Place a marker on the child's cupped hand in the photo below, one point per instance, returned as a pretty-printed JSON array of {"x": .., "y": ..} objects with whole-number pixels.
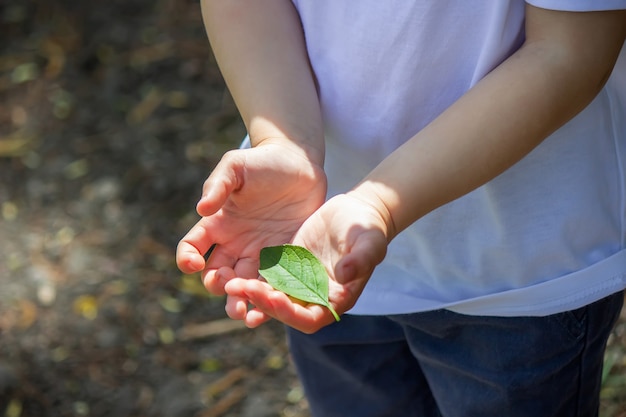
[
  {"x": 254, "y": 198},
  {"x": 349, "y": 237}
]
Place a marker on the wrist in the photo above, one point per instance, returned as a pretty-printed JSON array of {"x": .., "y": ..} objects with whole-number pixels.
[
  {"x": 380, "y": 198},
  {"x": 305, "y": 139},
  {"x": 312, "y": 151}
]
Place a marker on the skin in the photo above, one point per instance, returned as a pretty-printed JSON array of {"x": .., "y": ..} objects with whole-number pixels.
[{"x": 261, "y": 196}]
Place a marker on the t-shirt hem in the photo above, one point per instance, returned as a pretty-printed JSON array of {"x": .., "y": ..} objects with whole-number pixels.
[{"x": 565, "y": 293}]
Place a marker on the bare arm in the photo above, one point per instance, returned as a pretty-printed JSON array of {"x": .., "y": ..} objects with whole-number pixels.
[
  {"x": 259, "y": 46},
  {"x": 561, "y": 67},
  {"x": 260, "y": 196}
]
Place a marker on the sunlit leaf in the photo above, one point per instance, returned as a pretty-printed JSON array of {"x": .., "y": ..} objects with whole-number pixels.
[{"x": 295, "y": 271}]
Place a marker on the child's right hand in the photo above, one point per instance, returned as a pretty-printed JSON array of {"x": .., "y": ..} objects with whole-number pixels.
[{"x": 253, "y": 198}]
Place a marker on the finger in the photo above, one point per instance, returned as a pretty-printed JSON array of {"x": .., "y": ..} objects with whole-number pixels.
[
  {"x": 219, "y": 258},
  {"x": 222, "y": 182},
  {"x": 188, "y": 258},
  {"x": 192, "y": 247},
  {"x": 236, "y": 307},
  {"x": 276, "y": 304},
  {"x": 247, "y": 268},
  {"x": 308, "y": 318},
  {"x": 367, "y": 251},
  {"x": 244, "y": 267},
  {"x": 255, "y": 318},
  {"x": 215, "y": 279}
]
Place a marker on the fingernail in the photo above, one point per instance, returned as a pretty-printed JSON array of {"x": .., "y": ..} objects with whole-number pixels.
[
  {"x": 202, "y": 200},
  {"x": 206, "y": 196}
]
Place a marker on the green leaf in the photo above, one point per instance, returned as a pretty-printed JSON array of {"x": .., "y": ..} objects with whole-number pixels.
[{"x": 296, "y": 272}]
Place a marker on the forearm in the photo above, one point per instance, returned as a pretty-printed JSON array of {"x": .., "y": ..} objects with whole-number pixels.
[
  {"x": 538, "y": 89},
  {"x": 260, "y": 49}
]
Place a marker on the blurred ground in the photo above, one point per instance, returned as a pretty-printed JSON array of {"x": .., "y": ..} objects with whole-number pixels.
[{"x": 112, "y": 113}]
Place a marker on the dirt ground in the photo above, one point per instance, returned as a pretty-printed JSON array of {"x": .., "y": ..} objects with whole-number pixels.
[{"x": 112, "y": 114}]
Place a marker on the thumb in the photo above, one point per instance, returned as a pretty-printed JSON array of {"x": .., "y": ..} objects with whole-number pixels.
[
  {"x": 223, "y": 181},
  {"x": 368, "y": 250}
]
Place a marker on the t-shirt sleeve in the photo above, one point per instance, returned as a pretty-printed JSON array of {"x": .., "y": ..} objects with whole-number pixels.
[{"x": 579, "y": 5}]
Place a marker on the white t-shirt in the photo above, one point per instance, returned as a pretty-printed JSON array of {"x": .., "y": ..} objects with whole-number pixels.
[{"x": 546, "y": 236}]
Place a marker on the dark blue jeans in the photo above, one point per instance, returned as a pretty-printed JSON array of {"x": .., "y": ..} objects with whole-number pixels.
[{"x": 442, "y": 363}]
